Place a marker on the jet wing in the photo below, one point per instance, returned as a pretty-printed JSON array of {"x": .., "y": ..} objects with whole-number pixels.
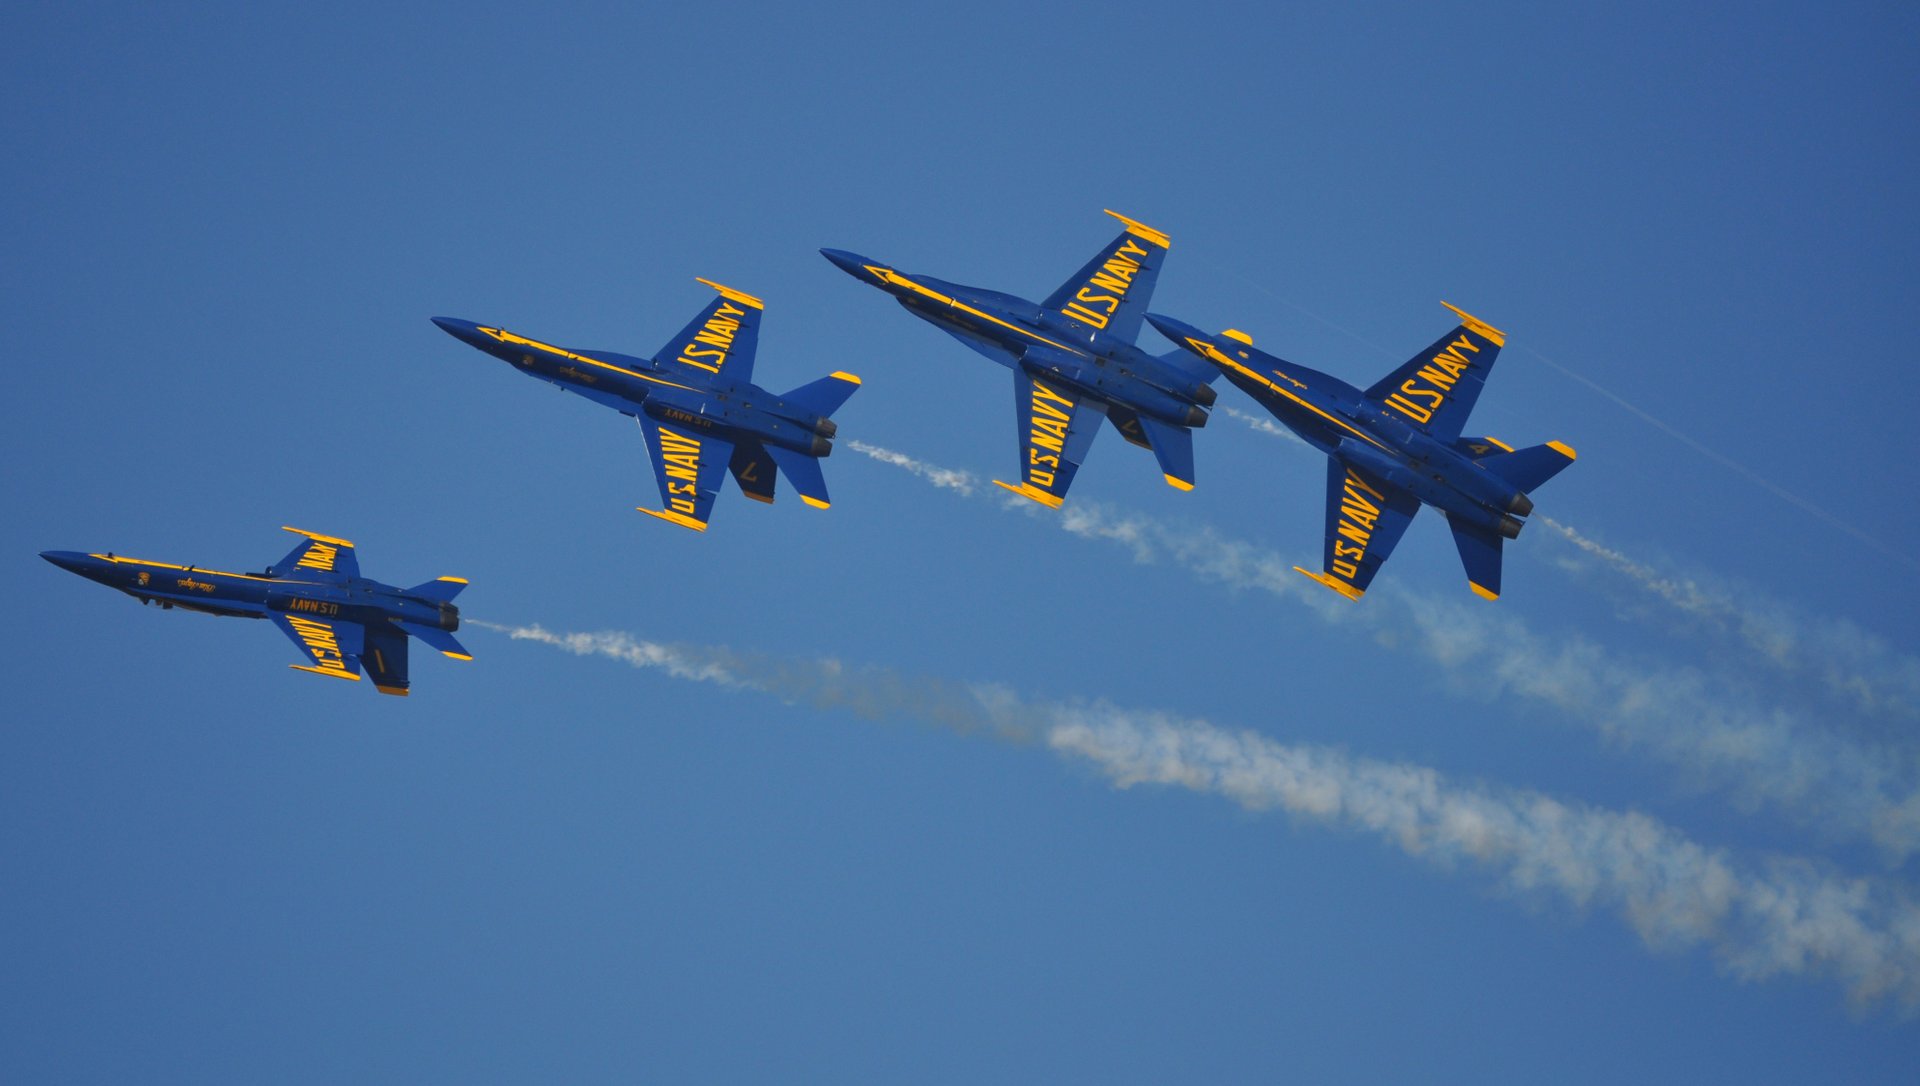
[
  {"x": 983, "y": 347},
  {"x": 1057, "y": 427},
  {"x": 1110, "y": 293},
  {"x": 318, "y": 558},
  {"x": 334, "y": 646},
  {"x": 1436, "y": 389},
  {"x": 386, "y": 659},
  {"x": 1366, "y": 517},
  {"x": 718, "y": 343},
  {"x": 689, "y": 467}
]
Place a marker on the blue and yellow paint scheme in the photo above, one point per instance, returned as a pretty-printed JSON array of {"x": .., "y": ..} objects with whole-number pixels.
[
  {"x": 1395, "y": 446},
  {"x": 342, "y": 621},
  {"x": 1073, "y": 359},
  {"x": 698, "y": 408}
]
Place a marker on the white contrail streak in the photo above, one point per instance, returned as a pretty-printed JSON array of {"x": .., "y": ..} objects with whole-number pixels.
[
  {"x": 1754, "y": 477},
  {"x": 1715, "y": 726},
  {"x": 1854, "y": 665},
  {"x": 1761, "y": 919}
]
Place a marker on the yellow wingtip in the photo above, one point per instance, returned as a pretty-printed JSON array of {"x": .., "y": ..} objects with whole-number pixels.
[
  {"x": 396, "y": 691},
  {"x": 1482, "y": 591},
  {"x": 1177, "y": 484},
  {"x": 815, "y": 502},
  {"x": 766, "y": 498},
  {"x": 1332, "y": 582},
  {"x": 1563, "y": 449},
  {"x": 681, "y": 519},
  {"x": 1142, "y": 230},
  {"x": 455, "y": 655},
  {"x": 733, "y": 295},
  {"x": 1478, "y": 326},
  {"x": 452, "y": 580},
  {"x": 1027, "y": 490},
  {"x": 336, "y": 673},
  {"x": 317, "y": 537}
]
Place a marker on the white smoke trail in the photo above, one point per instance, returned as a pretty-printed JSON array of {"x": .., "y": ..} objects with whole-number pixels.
[
  {"x": 1761, "y": 919},
  {"x": 1718, "y": 728},
  {"x": 944, "y": 478},
  {"x": 1853, "y": 665},
  {"x": 1260, "y": 424}
]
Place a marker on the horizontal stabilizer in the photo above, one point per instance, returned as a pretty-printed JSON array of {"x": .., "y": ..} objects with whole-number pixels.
[
  {"x": 437, "y": 639},
  {"x": 804, "y": 473},
  {"x": 1530, "y": 467},
  {"x": 1173, "y": 447},
  {"x": 1480, "y": 553},
  {"x": 440, "y": 589},
  {"x": 825, "y": 396}
]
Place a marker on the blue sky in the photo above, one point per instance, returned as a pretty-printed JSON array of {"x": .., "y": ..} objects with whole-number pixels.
[{"x": 227, "y": 229}]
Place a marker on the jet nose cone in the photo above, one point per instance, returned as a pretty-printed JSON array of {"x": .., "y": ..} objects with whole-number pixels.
[
  {"x": 1177, "y": 331},
  {"x": 464, "y": 331},
  {"x": 852, "y": 263},
  {"x": 71, "y": 561}
]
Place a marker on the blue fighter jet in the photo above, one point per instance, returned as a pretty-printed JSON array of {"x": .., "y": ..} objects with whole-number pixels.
[
  {"x": 1073, "y": 359},
  {"x": 1395, "y": 446},
  {"x": 341, "y": 620},
  {"x": 696, "y": 405}
]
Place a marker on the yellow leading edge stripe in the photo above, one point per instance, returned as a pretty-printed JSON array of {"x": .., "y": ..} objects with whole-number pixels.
[
  {"x": 1142, "y": 230},
  {"x": 317, "y": 537},
  {"x": 1332, "y": 582},
  {"x": 1028, "y": 490},
  {"x": 681, "y": 519},
  {"x": 733, "y": 295}
]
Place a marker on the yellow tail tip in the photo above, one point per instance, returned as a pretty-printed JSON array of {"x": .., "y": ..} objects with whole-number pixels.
[
  {"x": 317, "y": 537},
  {"x": 681, "y": 519},
  {"x": 1332, "y": 582},
  {"x": 733, "y": 295},
  {"x": 1482, "y": 591},
  {"x": 396, "y": 691},
  {"x": 1028, "y": 490},
  {"x": 1142, "y": 230},
  {"x": 849, "y": 378},
  {"x": 1563, "y": 449},
  {"x": 815, "y": 502},
  {"x": 1478, "y": 326},
  {"x": 1177, "y": 484}
]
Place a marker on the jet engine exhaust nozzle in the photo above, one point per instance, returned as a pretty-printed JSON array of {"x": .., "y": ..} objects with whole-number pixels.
[
  {"x": 1510, "y": 527},
  {"x": 1520, "y": 506}
]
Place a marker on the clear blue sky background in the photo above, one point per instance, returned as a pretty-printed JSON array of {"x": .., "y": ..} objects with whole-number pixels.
[{"x": 225, "y": 230}]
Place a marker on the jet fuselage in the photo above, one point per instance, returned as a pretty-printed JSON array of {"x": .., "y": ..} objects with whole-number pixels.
[
  {"x": 256, "y": 595},
  {"x": 1336, "y": 418},
  {"x": 1015, "y": 331},
  {"x": 734, "y": 410}
]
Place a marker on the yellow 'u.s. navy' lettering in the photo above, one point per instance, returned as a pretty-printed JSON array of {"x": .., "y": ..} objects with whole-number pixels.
[
  {"x": 1093, "y": 307},
  {"x": 1420, "y": 397},
  {"x": 680, "y": 460},
  {"x": 1046, "y": 433},
  {"x": 1358, "y": 518},
  {"x": 321, "y": 643},
  {"x": 318, "y": 556},
  {"x": 316, "y": 607},
  {"x": 714, "y": 339}
]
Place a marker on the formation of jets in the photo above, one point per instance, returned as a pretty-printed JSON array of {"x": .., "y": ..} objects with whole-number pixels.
[{"x": 1391, "y": 448}]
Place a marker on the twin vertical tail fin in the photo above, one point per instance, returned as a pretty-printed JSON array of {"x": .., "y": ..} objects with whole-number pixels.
[
  {"x": 440, "y": 589},
  {"x": 825, "y": 396},
  {"x": 1530, "y": 467}
]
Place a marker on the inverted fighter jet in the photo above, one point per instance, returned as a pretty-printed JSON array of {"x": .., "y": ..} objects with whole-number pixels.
[
  {"x": 1395, "y": 446},
  {"x": 696, "y": 405},
  {"x": 1073, "y": 359},
  {"x": 341, "y": 620}
]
